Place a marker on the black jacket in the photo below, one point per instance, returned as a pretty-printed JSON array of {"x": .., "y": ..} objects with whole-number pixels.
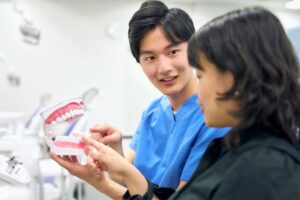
[{"x": 263, "y": 167}]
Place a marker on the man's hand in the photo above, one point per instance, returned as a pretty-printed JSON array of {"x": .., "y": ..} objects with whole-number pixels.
[{"x": 108, "y": 135}]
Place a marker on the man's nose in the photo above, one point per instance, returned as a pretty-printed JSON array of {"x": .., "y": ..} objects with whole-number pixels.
[{"x": 164, "y": 65}]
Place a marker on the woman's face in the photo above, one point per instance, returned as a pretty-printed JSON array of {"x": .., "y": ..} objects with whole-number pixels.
[{"x": 211, "y": 82}]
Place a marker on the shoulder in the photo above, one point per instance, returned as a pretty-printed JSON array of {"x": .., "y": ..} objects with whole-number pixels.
[
  {"x": 262, "y": 172},
  {"x": 156, "y": 105},
  {"x": 157, "y": 102},
  {"x": 264, "y": 150},
  {"x": 269, "y": 151},
  {"x": 265, "y": 159}
]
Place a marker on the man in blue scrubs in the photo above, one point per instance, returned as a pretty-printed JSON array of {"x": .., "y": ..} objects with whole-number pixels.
[{"x": 172, "y": 136}]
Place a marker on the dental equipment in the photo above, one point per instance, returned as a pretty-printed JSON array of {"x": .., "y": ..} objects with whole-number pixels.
[
  {"x": 89, "y": 95},
  {"x": 12, "y": 77},
  {"x": 56, "y": 119},
  {"x": 31, "y": 34},
  {"x": 80, "y": 124},
  {"x": 34, "y": 123},
  {"x": 13, "y": 171}
]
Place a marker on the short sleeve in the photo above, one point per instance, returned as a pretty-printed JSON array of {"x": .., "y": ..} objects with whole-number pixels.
[
  {"x": 135, "y": 138},
  {"x": 204, "y": 138},
  {"x": 133, "y": 142}
]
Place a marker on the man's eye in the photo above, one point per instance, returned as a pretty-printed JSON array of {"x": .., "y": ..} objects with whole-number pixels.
[
  {"x": 173, "y": 52},
  {"x": 149, "y": 58},
  {"x": 198, "y": 77}
]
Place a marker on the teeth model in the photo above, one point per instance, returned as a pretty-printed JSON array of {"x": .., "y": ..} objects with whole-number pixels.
[
  {"x": 68, "y": 145},
  {"x": 56, "y": 119},
  {"x": 65, "y": 111}
]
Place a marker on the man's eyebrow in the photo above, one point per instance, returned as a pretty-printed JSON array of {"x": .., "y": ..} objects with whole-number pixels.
[
  {"x": 146, "y": 52},
  {"x": 166, "y": 47}
]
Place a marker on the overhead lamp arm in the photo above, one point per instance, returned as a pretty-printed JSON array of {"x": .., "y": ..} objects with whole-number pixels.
[
  {"x": 12, "y": 77},
  {"x": 30, "y": 33}
]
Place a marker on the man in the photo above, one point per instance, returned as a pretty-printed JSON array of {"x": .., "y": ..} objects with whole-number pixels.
[{"x": 172, "y": 136}]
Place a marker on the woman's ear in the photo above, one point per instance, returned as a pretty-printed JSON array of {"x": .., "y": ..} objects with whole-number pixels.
[{"x": 227, "y": 81}]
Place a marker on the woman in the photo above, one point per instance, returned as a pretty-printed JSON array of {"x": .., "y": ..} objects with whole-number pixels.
[{"x": 248, "y": 79}]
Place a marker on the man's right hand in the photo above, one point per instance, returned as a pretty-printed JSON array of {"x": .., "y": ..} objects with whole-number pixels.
[{"x": 108, "y": 135}]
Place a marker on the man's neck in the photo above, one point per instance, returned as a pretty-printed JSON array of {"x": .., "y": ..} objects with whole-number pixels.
[{"x": 178, "y": 99}]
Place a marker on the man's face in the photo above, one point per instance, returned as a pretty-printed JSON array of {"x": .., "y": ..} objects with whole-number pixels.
[{"x": 164, "y": 63}]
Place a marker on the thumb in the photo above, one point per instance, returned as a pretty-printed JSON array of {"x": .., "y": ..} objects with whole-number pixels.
[{"x": 100, "y": 157}]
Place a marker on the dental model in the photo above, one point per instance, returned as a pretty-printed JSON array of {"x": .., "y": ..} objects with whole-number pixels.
[
  {"x": 56, "y": 119},
  {"x": 66, "y": 111},
  {"x": 68, "y": 145}
]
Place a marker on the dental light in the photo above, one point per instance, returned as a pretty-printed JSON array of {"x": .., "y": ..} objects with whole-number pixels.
[
  {"x": 30, "y": 33},
  {"x": 12, "y": 78}
]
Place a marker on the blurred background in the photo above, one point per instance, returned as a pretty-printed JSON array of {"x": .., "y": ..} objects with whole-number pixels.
[{"x": 51, "y": 50}]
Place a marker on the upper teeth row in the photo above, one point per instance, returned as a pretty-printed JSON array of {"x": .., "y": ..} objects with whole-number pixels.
[
  {"x": 68, "y": 115},
  {"x": 168, "y": 79}
]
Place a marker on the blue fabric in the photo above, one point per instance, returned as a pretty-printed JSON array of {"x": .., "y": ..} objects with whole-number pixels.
[{"x": 168, "y": 148}]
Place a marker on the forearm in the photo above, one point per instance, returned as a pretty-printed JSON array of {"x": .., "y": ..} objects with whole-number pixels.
[
  {"x": 109, "y": 187},
  {"x": 135, "y": 182},
  {"x": 117, "y": 179},
  {"x": 118, "y": 148}
]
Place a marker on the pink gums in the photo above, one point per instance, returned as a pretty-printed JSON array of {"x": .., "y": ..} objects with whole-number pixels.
[
  {"x": 59, "y": 112},
  {"x": 67, "y": 144}
]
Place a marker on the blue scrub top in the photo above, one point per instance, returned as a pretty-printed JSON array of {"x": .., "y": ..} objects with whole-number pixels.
[{"x": 169, "y": 147}]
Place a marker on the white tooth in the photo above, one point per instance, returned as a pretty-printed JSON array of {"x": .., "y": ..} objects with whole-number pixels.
[
  {"x": 53, "y": 123},
  {"x": 59, "y": 119},
  {"x": 76, "y": 112},
  {"x": 81, "y": 111},
  {"x": 64, "y": 117},
  {"x": 68, "y": 114},
  {"x": 72, "y": 113}
]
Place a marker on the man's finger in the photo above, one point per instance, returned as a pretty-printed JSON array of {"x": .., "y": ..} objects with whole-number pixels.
[
  {"x": 92, "y": 142},
  {"x": 98, "y": 128},
  {"x": 109, "y": 139}
]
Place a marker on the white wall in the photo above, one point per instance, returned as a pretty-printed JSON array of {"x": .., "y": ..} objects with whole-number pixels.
[{"x": 75, "y": 53}]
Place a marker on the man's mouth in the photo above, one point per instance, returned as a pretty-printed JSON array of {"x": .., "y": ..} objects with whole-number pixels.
[{"x": 168, "y": 79}]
